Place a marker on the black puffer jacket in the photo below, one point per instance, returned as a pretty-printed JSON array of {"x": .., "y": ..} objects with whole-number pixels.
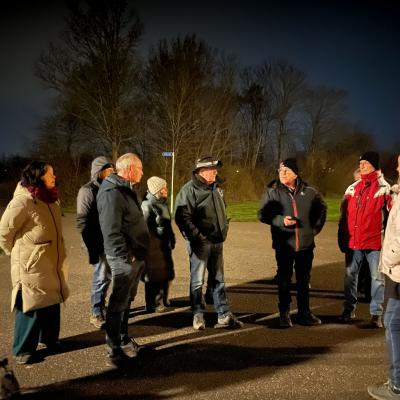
[
  {"x": 124, "y": 229},
  {"x": 159, "y": 264},
  {"x": 200, "y": 212},
  {"x": 305, "y": 204}
]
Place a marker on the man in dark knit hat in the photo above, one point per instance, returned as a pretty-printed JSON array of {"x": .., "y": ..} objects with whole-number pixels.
[
  {"x": 365, "y": 207},
  {"x": 296, "y": 213}
]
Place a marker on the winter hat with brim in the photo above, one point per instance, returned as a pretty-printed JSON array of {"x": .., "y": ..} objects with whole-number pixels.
[
  {"x": 290, "y": 163},
  {"x": 372, "y": 157},
  {"x": 207, "y": 162},
  {"x": 155, "y": 184},
  {"x": 99, "y": 164}
]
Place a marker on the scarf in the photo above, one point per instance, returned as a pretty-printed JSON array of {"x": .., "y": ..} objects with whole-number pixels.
[{"x": 43, "y": 194}]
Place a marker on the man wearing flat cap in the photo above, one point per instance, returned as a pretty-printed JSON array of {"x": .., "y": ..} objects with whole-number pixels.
[
  {"x": 296, "y": 213},
  {"x": 364, "y": 211},
  {"x": 201, "y": 217}
]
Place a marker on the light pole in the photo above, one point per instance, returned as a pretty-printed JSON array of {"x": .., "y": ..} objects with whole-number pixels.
[{"x": 171, "y": 154}]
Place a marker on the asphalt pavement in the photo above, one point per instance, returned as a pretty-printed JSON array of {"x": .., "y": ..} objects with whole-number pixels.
[{"x": 259, "y": 361}]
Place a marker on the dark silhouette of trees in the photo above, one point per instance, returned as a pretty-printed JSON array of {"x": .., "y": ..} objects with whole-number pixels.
[{"x": 94, "y": 71}]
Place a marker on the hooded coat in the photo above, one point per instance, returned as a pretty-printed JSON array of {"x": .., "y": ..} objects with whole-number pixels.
[
  {"x": 87, "y": 215},
  {"x": 365, "y": 208},
  {"x": 159, "y": 266},
  {"x": 390, "y": 259},
  {"x": 30, "y": 231}
]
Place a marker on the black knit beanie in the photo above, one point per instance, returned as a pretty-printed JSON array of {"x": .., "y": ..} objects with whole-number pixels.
[
  {"x": 372, "y": 157},
  {"x": 292, "y": 164}
]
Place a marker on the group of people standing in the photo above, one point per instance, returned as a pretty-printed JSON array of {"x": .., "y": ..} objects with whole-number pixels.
[{"x": 129, "y": 240}]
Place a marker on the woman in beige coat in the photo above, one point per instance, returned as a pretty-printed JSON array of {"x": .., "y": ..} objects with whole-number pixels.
[
  {"x": 30, "y": 231},
  {"x": 390, "y": 266}
]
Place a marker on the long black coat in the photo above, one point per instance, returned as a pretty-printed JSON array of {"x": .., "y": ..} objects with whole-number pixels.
[{"x": 159, "y": 265}]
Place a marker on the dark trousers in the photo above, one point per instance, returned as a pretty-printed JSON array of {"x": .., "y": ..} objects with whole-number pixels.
[
  {"x": 32, "y": 327},
  {"x": 301, "y": 261},
  {"x": 155, "y": 294}
]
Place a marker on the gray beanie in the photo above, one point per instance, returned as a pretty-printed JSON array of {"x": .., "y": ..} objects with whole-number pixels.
[{"x": 155, "y": 184}]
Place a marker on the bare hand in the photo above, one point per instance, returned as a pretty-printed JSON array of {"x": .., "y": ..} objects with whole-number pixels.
[{"x": 289, "y": 221}]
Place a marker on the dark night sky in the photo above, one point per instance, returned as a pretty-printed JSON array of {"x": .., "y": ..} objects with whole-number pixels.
[{"x": 350, "y": 45}]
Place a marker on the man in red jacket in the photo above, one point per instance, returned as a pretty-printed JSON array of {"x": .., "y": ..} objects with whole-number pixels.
[{"x": 365, "y": 208}]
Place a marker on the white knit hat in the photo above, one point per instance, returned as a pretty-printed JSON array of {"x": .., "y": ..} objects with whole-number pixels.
[{"x": 155, "y": 184}]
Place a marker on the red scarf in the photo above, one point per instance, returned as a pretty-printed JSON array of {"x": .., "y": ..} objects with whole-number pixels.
[{"x": 43, "y": 194}]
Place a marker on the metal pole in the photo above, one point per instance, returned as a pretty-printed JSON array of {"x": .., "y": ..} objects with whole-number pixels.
[{"x": 172, "y": 182}]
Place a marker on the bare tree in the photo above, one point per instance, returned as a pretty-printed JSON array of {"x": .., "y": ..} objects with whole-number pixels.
[
  {"x": 94, "y": 68},
  {"x": 324, "y": 111},
  {"x": 192, "y": 103}
]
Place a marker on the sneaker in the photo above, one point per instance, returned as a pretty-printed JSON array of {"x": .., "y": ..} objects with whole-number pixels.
[
  {"x": 130, "y": 348},
  {"x": 25, "y": 358},
  {"x": 161, "y": 309},
  {"x": 97, "y": 321},
  {"x": 308, "y": 319},
  {"x": 284, "y": 320},
  {"x": 383, "y": 392},
  {"x": 376, "y": 321},
  {"x": 198, "y": 322},
  {"x": 228, "y": 320},
  {"x": 347, "y": 317}
]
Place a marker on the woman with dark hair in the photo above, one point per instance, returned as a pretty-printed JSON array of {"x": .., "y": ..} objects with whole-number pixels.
[{"x": 30, "y": 231}]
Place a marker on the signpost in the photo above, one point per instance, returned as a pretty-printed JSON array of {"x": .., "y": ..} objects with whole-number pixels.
[{"x": 171, "y": 154}]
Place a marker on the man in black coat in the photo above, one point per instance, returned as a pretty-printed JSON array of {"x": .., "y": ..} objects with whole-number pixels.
[
  {"x": 296, "y": 213},
  {"x": 89, "y": 226},
  {"x": 201, "y": 217},
  {"x": 125, "y": 243}
]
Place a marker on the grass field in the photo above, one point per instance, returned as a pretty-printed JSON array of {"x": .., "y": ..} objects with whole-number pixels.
[{"x": 247, "y": 211}]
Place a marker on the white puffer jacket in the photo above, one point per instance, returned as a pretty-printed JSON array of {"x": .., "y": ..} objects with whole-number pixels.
[
  {"x": 390, "y": 255},
  {"x": 30, "y": 230}
]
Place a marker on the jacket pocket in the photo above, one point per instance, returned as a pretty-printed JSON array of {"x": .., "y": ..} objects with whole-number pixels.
[{"x": 38, "y": 250}]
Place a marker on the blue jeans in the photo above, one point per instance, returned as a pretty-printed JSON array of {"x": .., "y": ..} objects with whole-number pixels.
[
  {"x": 125, "y": 279},
  {"x": 392, "y": 333},
  {"x": 354, "y": 260},
  {"x": 100, "y": 283},
  {"x": 208, "y": 256}
]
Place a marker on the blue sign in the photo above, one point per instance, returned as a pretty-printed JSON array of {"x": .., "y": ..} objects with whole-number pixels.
[{"x": 167, "y": 153}]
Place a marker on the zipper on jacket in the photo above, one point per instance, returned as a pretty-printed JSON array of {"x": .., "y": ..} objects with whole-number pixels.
[
  {"x": 296, "y": 229},
  {"x": 58, "y": 253}
]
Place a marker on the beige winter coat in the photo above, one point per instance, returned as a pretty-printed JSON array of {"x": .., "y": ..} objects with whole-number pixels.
[
  {"x": 390, "y": 256},
  {"x": 30, "y": 230}
]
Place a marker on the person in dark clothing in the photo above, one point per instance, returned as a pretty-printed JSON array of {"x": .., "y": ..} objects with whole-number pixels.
[
  {"x": 89, "y": 227},
  {"x": 201, "y": 217},
  {"x": 126, "y": 239},
  {"x": 390, "y": 267},
  {"x": 159, "y": 266},
  {"x": 296, "y": 213}
]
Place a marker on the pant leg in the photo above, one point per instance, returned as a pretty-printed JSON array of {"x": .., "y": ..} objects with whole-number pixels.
[
  {"x": 392, "y": 334},
  {"x": 137, "y": 268},
  {"x": 100, "y": 283},
  {"x": 354, "y": 259},
  {"x": 284, "y": 260},
  {"x": 49, "y": 322},
  {"x": 198, "y": 258},
  {"x": 26, "y": 329},
  {"x": 216, "y": 280},
  {"x": 123, "y": 276},
  {"x": 377, "y": 283},
  {"x": 302, "y": 266}
]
